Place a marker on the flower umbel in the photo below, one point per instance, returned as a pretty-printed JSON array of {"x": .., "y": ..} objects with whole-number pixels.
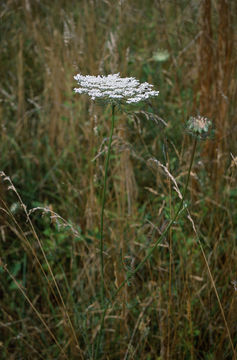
[
  {"x": 199, "y": 126},
  {"x": 161, "y": 55},
  {"x": 113, "y": 88}
]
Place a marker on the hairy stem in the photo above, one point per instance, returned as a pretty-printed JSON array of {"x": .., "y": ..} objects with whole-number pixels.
[{"x": 102, "y": 286}]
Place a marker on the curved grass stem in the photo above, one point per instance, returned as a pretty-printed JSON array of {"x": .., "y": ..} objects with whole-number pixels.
[{"x": 150, "y": 251}]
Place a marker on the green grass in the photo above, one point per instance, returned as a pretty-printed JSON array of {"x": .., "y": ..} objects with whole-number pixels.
[{"x": 169, "y": 308}]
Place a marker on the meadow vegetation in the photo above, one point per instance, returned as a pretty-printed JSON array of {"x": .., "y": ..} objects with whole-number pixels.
[{"x": 181, "y": 304}]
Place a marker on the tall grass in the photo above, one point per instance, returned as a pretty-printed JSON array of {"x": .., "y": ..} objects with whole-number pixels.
[{"x": 53, "y": 147}]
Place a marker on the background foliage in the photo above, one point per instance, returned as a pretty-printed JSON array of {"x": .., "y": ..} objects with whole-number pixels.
[{"x": 52, "y": 147}]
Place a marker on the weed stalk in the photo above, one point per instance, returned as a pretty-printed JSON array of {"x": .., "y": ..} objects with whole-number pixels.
[
  {"x": 102, "y": 219},
  {"x": 149, "y": 253}
]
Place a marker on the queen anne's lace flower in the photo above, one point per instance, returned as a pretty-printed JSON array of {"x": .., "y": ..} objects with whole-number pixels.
[
  {"x": 113, "y": 88},
  {"x": 199, "y": 126}
]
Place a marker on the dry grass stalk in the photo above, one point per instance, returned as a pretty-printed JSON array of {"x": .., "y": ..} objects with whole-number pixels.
[
  {"x": 216, "y": 71},
  {"x": 51, "y": 163}
]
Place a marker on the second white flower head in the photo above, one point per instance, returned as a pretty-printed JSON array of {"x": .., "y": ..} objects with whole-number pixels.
[{"x": 114, "y": 88}]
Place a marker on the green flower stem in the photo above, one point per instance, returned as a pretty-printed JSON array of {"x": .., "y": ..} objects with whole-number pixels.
[
  {"x": 102, "y": 286},
  {"x": 150, "y": 251},
  {"x": 102, "y": 211}
]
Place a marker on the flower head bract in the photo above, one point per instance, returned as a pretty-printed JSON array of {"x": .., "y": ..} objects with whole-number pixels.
[{"x": 114, "y": 88}]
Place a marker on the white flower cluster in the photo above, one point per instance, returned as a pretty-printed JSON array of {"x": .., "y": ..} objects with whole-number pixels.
[{"x": 114, "y": 88}]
